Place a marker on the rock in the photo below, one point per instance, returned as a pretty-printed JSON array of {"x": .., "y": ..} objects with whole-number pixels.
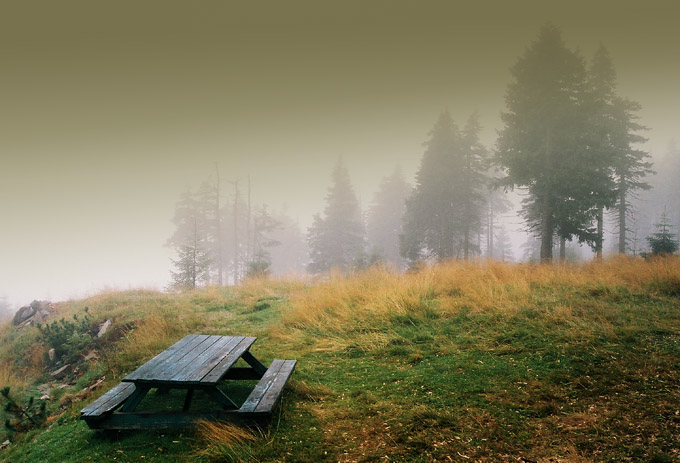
[
  {"x": 45, "y": 397},
  {"x": 35, "y": 311},
  {"x": 103, "y": 328},
  {"x": 51, "y": 354},
  {"x": 4, "y": 445},
  {"x": 23, "y": 314},
  {"x": 61, "y": 372},
  {"x": 44, "y": 388}
]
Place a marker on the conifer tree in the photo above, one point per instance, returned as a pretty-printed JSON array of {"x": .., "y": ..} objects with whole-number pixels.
[
  {"x": 472, "y": 188},
  {"x": 386, "y": 218},
  {"x": 546, "y": 143},
  {"x": 192, "y": 267},
  {"x": 663, "y": 241},
  {"x": 264, "y": 226},
  {"x": 430, "y": 225},
  {"x": 336, "y": 239},
  {"x": 617, "y": 133},
  {"x": 444, "y": 212}
]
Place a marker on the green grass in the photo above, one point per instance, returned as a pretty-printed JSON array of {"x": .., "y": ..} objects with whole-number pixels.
[{"x": 440, "y": 381}]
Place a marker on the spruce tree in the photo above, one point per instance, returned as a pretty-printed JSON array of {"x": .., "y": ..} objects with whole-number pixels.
[
  {"x": 444, "y": 212},
  {"x": 386, "y": 218},
  {"x": 472, "y": 188},
  {"x": 546, "y": 143},
  {"x": 663, "y": 241},
  {"x": 264, "y": 226},
  {"x": 192, "y": 267},
  {"x": 430, "y": 225},
  {"x": 617, "y": 133},
  {"x": 336, "y": 239}
]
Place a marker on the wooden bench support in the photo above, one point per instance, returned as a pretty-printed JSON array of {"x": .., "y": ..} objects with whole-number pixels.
[
  {"x": 268, "y": 391},
  {"x": 166, "y": 420},
  {"x": 135, "y": 398}
]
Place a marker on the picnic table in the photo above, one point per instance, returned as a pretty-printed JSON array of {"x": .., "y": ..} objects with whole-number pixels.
[{"x": 196, "y": 362}]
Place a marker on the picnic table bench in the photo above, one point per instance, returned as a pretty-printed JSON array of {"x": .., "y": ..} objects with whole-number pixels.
[{"x": 196, "y": 362}]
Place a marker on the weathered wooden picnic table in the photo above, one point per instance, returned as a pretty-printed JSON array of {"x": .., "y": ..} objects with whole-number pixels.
[{"x": 196, "y": 362}]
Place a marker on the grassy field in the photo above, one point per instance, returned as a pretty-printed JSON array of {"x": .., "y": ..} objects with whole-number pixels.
[{"x": 462, "y": 362}]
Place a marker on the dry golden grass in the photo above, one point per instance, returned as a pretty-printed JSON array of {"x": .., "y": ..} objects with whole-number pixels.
[
  {"x": 358, "y": 305},
  {"x": 217, "y": 440},
  {"x": 9, "y": 376}
]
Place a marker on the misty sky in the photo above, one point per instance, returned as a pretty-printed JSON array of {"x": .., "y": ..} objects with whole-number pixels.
[{"x": 111, "y": 109}]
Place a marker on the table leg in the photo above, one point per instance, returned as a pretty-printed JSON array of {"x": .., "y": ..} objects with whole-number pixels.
[
  {"x": 221, "y": 398},
  {"x": 134, "y": 399},
  {"x": 255, "y": 363},
  {"x": 187, "y": 399}
]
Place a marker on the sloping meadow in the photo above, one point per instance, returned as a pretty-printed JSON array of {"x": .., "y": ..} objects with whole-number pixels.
[
  {"x": 493, "y": 362},
  {"x": 479, "y": 361}
]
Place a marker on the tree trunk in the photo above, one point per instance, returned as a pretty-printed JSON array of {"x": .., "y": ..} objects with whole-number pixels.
[
  {"x": 600, "y": 233},
  {"x": 194, "y": 259},
  {"x": 547, "y": 231},
  {"x": 466, "y": 245},
  {"x": 491, "y": 226},
  {"x": 547, "y": 226},
  {"x": 236, "y": 243},
  {"x": 218, "y": 230},
  {"x": 248, "y": 232},
  {"x": 622, "y": 217}
]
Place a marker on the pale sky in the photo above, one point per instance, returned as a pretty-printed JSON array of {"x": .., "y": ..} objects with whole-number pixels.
[{"x": 110, "y": 109}]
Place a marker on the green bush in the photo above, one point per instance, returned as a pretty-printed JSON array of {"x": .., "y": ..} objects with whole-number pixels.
[{"x": 68, "y": 338}]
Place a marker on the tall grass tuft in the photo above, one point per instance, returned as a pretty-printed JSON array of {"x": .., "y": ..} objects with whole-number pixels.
[{"x": 223, "y": 441}]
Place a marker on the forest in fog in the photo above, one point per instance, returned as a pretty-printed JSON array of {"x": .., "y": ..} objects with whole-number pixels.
[
  {"x": 158, "y": 144},
  {"x": 570, "y": 159}
]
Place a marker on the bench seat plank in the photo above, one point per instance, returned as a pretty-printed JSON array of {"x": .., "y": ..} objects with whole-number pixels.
[
  {"x": 268, "y": 391},
  {"x": 109, "y": 401}
]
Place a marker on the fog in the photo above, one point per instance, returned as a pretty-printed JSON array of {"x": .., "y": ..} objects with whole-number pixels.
[{"x": 111, "y": 110}]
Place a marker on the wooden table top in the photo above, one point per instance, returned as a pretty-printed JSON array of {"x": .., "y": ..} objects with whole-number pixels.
[{"x": 195, "y": 359}]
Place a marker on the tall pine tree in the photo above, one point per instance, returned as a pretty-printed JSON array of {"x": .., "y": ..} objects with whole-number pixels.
[
  {"x": 616, "y": 130},
  {"x": 336, "y": 239},
  {"x": 430, "y": 225},
  {"x": 546, "y": 143},
  {"x": 472, "y": 189},
  {"x": 444, "y": 212}
]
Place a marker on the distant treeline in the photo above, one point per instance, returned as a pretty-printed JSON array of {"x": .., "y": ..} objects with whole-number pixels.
[{"x": 570, "y": 144}]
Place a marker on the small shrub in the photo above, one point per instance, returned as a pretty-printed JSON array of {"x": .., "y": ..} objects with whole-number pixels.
[
  {"x": 22, "y": 417},
  {"x": 68, "y": 338}
]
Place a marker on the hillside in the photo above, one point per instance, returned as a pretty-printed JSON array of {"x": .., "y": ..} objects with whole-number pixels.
[{"x": 461, "y": 362}]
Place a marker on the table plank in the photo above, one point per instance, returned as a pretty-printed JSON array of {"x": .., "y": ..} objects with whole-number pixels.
[
  {"x": 164, "y": 373},
  {"x": 160, "y": 357},
  {"x": 227, "y": 362},
  {"x": 175, "y": 356},
  {"x": 207, "y": 360}
]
